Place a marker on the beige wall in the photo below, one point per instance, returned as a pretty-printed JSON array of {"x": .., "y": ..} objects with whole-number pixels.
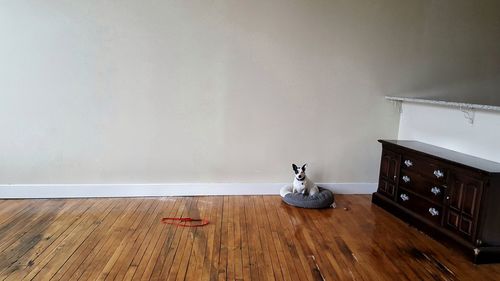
[
  {"x": 457, "y": 55},
  {"x": 206, "y": 91}
]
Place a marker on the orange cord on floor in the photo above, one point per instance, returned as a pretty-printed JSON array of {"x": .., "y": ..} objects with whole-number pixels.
[{"x": 185, "y": 222}]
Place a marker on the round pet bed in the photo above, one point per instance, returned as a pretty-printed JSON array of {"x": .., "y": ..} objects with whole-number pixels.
[{"x": 323, "y": 199}]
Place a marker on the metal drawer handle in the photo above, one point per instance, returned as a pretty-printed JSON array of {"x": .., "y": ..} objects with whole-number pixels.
[
  {"x": 406, "y": 179},
  {"x": 438, "y": 174},
  {"x": 404, "y": 197},
  {"x": 433, "y": 212},
  {"x": 435, "y": 190},
  {"x": 408, "y": 163}
]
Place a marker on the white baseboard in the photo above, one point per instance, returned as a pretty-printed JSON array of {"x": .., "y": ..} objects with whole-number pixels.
[{"x": 11, "y": 191}]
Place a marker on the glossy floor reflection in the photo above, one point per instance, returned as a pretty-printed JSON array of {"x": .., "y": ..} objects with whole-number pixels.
[{"x": 249, "y": 238}]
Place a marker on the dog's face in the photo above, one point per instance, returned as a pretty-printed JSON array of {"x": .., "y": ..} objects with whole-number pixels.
[{"x": 300, "y": 172}]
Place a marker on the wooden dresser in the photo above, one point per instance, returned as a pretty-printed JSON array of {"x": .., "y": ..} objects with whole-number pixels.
[{"x": 449, "y": 195}]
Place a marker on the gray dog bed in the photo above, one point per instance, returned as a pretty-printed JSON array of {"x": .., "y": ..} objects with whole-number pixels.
[{"x": 323, "y": 199}]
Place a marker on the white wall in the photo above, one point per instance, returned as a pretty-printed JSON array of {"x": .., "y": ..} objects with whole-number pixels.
[
  {"x": 215, "y": 91},
  {"x": 447, "y": 127}
]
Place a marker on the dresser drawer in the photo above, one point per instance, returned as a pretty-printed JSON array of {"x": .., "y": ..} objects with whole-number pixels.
[
  {"x": 424, "y": 208},
  {"x": 426, "y": 168},
  {"x": 417, "y": 183}
]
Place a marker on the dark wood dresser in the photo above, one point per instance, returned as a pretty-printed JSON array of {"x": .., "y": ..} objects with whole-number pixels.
[{"x": 447, "y": 194}]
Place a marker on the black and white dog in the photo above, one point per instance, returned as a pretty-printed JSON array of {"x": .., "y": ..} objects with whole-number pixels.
[{"x": 301, "y": 183}]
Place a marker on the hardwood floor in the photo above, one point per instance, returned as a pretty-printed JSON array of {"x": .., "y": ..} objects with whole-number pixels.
[{"x": 249, "y": 238}]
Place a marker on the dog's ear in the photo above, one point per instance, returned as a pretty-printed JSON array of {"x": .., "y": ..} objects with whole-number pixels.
[
  {"x": 304, "y": 167},
  {"x": 295, "y": 168}
]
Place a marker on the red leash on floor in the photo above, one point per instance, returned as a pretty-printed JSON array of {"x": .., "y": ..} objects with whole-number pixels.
[{"x": 186, "y": 222}]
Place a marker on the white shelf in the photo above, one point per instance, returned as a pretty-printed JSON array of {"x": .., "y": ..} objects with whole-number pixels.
[{"x": 461, "y": 105}]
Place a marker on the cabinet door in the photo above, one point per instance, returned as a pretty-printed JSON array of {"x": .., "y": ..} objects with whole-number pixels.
[
  {"x": 389, "y": 166},
  {"x": 463, "y": 199},
  {"x": 389, "y": 173},
  {"x": 387, "y": 188}
]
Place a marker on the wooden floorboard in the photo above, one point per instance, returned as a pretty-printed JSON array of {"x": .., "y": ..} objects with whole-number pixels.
[{"x": 248, "y": 238}]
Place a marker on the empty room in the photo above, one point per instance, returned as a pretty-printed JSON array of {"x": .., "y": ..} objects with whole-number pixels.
[{"x": 250, "y": 140}]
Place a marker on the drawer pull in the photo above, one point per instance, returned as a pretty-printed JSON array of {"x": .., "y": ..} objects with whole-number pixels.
[
  {"x": 404, "y": 197},
  {"x": 433, "y": 212},
  {"x": 408, "y": 163},
  {"x": 406, "y": 179},
  {"x": 435, "y": 190},
  {"x": 438, "y": 174}
]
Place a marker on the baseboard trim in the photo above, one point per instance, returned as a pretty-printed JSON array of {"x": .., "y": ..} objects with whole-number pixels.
[{"x": 18, "y": 191}]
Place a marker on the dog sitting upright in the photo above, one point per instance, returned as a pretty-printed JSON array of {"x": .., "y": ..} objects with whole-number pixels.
[{"x": 301, "y": 183}]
